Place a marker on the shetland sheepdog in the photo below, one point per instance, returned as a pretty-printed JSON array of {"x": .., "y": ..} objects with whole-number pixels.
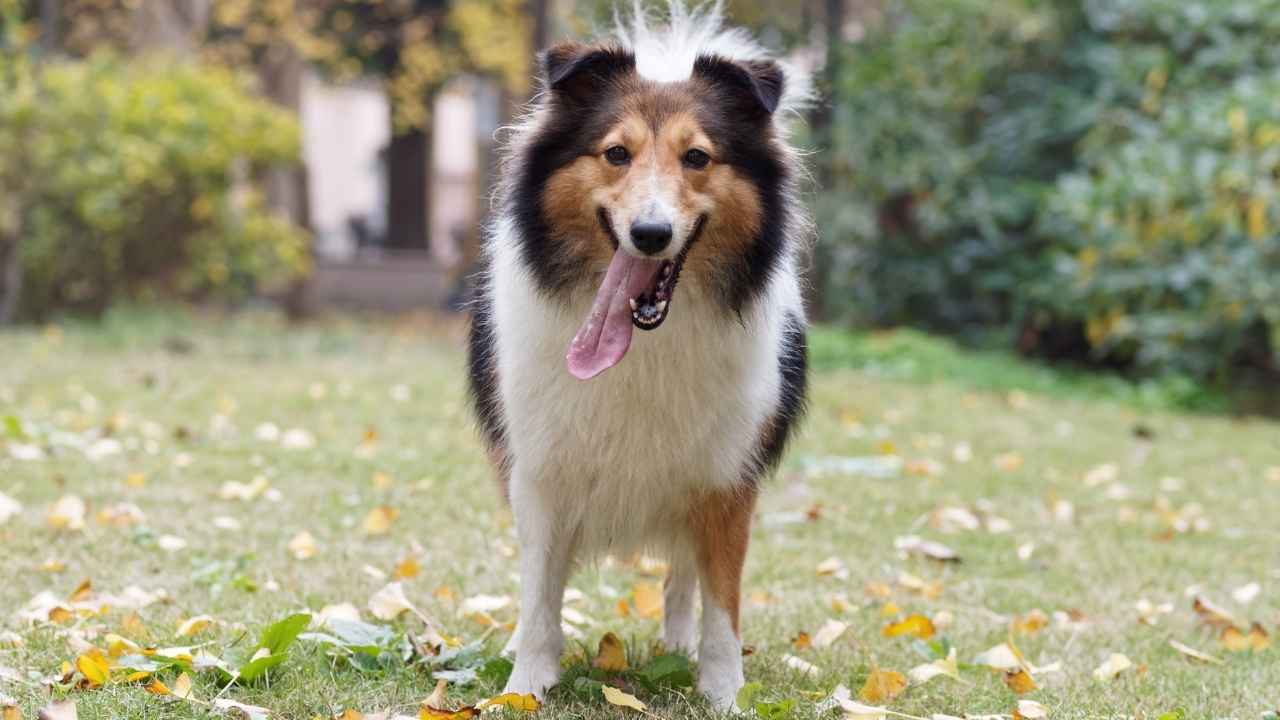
[{"x": 651, "y": 187}]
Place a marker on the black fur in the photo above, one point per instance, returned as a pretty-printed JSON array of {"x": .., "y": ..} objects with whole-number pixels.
[
  {"x": 793, "y": 364},
  {"x": 483, "y": 374}
]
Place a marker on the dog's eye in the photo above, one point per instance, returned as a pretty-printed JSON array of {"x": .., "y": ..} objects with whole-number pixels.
[
  {"x": 696, "y": 159},
  {"x": 617, "y": 155}
]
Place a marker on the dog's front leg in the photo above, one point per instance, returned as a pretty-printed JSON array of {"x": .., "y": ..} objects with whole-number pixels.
[
  {"x": 720, "y": 522},
  {"x": 546, "y": 554}
]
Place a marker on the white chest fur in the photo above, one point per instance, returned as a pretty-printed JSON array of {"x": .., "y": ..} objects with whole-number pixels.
[{"x": 618, "y": 455}]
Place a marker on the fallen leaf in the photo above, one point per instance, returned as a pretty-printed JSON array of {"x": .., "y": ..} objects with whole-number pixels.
[
  {"x": 303, "y": 546},
  {"x": 405, "y": 569},
  {"x": 156, "y": 687},
  {"x": 1112, "y": 667},
  {"x": 241, "y": 710},
  {"x": 610, "y": 656},
  {"x": 802, "y": 641},
  {"x": 882, "y": 686},
  {"x": 914, "y": 625},
  {"x": 511, "y": 701},
  {"x": 1019, "y": 681},
  {"x": 647, "y": 598},
  {"x": 833, "y": 567},
  {"x": 614, "y": 696},
  {"x": 120, "y": 515},
  {"x": 802, "y": 666},
  {"x": 1030, "y": 710},
  {"x": 182, "y": 687},
  {"x": 8, "y": 508},
  {"x": 67, "y": 513},
  {"x": 193, "y": 626},
  {"x": 1245, "y": 594},
  {"x": 379, "y": 520},
  {"x": 1031, "y": 623},
  {"x": 171, "y": 543},
  {"x": 1194, "y": 654},
  {"x": 1212, "y": 614},
  {"x": 244, "y": 492},
  {"x": 95, "y": 668},
  {"x": 1000, "y": 657},
  {"x": 946, "y": 667},
  {"x": 1235, "y": 640},
  {"x": 914, "y": 545},
  {"x": 389, "y": 602},
  {"x": 65, "y": 710},
  {"x": 830, "y": 631}
]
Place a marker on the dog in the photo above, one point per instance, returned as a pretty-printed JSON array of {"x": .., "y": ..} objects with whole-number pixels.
[{"x": 652, "y": 186}]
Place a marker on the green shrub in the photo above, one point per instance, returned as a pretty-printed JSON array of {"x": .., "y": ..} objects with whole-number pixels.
[
  {"x": 134, "y": 178},
  {"x": 1095, "y": 178}
]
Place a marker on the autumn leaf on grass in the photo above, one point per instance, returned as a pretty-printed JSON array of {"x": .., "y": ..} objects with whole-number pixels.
[
  {"x": 882, "y": 686},
  {"x": 914, "y": 545},
  {"x": 67, "y": 513},
  {"x": 1030, "y": 710},
  {"x": 802, "y": 666},
  {"x": 511, "y": 701},
  {"x": 379, "y": 520},
  {"x": 244, "y": 492},
  {"x": 1115, "y": 664},
  {"x": 1194, "y": 654},
  {"x": 610, "y": 657},
  {"x": 1019, "y": 681},
  {"x": 303, "y": 546},
  {"x": 95, "y": 668},
  {"x": 240, "y": 710},
  {"x": 405, "y": 569},
  {"x": 389, "y": 602},
  {"x": 193, "y": 626},
  {"x": 830, "y": 631},
  {"x": 1031, "y": 623},
  {"x": 913, "y": 625},
  {"x": 1212, "y": 614},
  {"x": 436, "y": 706},
  {"x": 1234, "y": 640},
  {"x": 802, "y": 641},
  {"x": 647, "y": 598},
  {"x": 616, "y": 697},
  {"x": 833, "y": 567},
  {"x": 1000, "y": 657},
  {"x": 946, "y": 667}
]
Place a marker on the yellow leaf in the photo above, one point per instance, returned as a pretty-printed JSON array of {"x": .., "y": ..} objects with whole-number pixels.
[
  {"x": 1193, "y": 653},
  {"x": 303, "y": 546},
  {"x": 614, "y": 696},
  {"x": 610, "y": 657},
  {"x": 889, "y": 609},
  {"x": 379, "y": 520},
  {"x": 1031, "y": 623},
  {"x": 349, "y": 714},
  {"x": 1019, "y": 681},
  {"x": 53, "y": 565},
  {"x": 511, "y": 701},
  {"x": 801, "y": 641},
  {"x": 949, "y": 667},
  {"x": 94, "y": 667},
  {"x": 914, "y": 625},
  {"x": 1113, "y": 666},
  {"x": 182, "y": 687},
  {"x": 135, "y": 480},
  {"x": 389, "y": 602},
  {"x": 82, "y": 591},
  {"x": 117, "y": 646},
  {"x": 193, "y": 626},
  {"x": 1234, "y": 640},
  {"x": 1212, "y": 614},
  {"x": 10, "y": 712},
  {"x": 648, "y": 599},
  {"x": 155, "y": 687},
  {"x": 67, "y": 513},
  {"x": 407, "y": 568},
  {"x": 882, "y": 686}
]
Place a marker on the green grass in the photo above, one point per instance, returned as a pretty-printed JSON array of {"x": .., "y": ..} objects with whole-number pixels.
[{"x": 184, "y": 396}]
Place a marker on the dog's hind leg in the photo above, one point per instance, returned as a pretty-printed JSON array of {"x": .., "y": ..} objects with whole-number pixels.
[
  {"x": 546, "y": 556},
  {"x": 679, "y": 600},
  {"x": 720, "y": 523}
]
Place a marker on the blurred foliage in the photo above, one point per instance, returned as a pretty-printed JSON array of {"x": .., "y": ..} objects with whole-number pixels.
[
  {"x": 1100, "y": 178},
  {"x": 129, "y": 181}
]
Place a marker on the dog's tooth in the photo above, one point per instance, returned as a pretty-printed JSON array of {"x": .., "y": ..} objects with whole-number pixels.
[
  {"x": 662, "y": 306},
  {"x": 634, "y": 305}
]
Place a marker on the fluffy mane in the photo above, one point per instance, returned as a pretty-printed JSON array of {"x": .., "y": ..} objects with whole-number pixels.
[{"x": 666, "y": 45}]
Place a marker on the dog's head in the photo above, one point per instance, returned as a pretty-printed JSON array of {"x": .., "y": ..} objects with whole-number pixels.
[{"x": 650, "y": 182}]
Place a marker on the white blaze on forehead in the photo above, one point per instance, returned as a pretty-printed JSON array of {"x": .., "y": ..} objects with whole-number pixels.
[{"x": 666, "y": 48}]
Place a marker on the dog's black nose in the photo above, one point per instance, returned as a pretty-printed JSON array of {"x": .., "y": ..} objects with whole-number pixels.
[{"x": 651, "y": 238}]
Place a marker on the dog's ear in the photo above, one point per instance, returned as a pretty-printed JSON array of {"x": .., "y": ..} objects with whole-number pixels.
[
  {"x": 578, "y": 72},
  {"x": 753, "y": 86}
]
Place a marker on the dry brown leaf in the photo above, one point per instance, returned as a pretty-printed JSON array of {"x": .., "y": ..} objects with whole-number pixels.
[
  {"x": 802, "y": 641},
  {"x": 1235, "y": 640},
  {"x": 1212, "y": 614},
  {"x": 882, "y": 686},
  {"x": 1193, "y": 653},
  {"x": 1019, "y": 681},
  {"x": 610, "y": 657},
  {"x": 914, "y": 625},
  {"x": 1031, "y": 623},
  {"x": 379, "y": 520}
]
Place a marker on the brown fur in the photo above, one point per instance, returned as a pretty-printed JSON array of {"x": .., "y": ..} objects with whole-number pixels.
[{"x": 720, "y": 526}]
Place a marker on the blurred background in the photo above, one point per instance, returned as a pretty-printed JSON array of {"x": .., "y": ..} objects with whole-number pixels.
[{"x": 1092, "y": 182}]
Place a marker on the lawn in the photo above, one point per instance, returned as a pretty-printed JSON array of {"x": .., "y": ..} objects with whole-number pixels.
[{"x": 1086, "y": 515}]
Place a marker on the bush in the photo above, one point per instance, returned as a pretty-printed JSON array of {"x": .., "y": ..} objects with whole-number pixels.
[
  {"x": 133, "y": 178},
  {"x": 1091, "y": 177}
]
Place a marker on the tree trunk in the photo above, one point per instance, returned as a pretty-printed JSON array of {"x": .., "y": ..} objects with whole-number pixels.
[
  {"x": 541, "y": 24},
  {"x": 10, "y": 274},
  {"x": 408, "y": 162},
  {"x": 172, "y": 25}
]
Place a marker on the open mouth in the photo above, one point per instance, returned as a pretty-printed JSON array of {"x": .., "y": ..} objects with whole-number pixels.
[{"x": 635, "y": 292}]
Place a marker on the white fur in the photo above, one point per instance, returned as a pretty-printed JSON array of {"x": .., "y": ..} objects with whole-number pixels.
[{"x": 607, "y": 466}]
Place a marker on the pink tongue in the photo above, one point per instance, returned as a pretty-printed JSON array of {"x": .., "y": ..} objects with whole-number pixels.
[{"x": 605, "y": 335}]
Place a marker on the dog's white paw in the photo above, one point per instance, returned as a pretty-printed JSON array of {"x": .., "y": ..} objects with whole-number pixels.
[
  {"x": 719, "y": 680},
  {"x": 680, "y": 638},
  {"x": 533, "y": 675}
]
